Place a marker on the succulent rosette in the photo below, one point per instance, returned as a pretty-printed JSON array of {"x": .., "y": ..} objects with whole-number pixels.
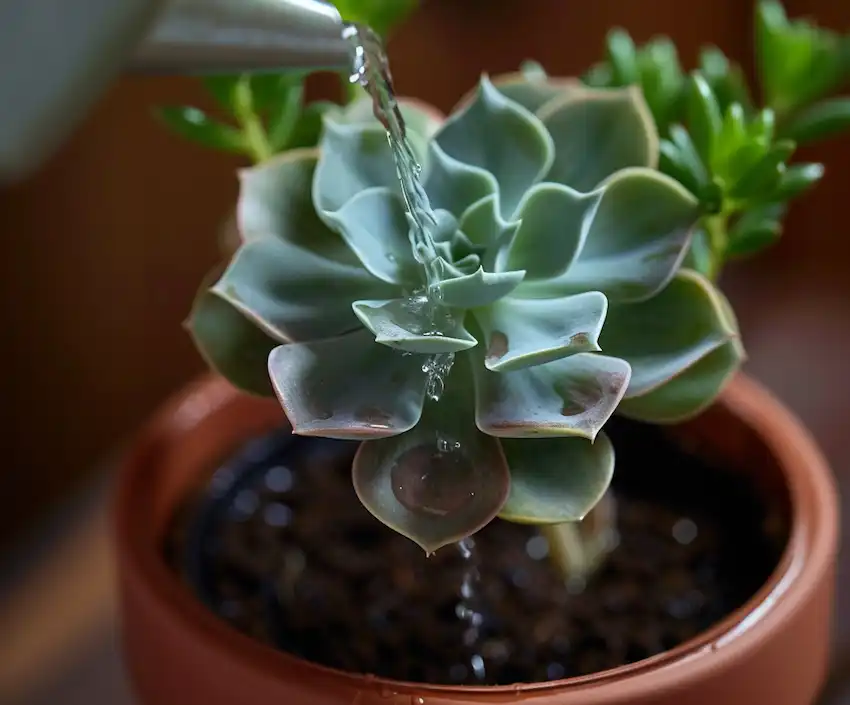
[{"x": 562, "y": 298}]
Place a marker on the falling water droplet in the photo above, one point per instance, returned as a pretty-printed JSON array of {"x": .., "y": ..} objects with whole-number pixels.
[
  {"x": 434, "y": 480},
  {"x": 466, "y": 610},
  {"x": 478, "y": 666}
]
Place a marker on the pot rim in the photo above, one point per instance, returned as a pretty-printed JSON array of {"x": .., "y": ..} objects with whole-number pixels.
[{"x": 811, "y": 548}]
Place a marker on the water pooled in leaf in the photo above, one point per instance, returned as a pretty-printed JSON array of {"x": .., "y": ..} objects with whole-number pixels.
[
  {"x": 370, "y": 68},
  {"x": 435, "y": 480},
  {"x": 374, "y": 417}
]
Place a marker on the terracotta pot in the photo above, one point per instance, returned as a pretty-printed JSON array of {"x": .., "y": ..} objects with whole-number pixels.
[{"x": 773, "y": 650}]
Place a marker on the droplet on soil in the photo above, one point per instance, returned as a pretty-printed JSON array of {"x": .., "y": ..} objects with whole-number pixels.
[
  {"x": 685, "y": 531},
  {"x": 279, "y": 479},
  {"x": 277, "y": 514},
  {"x": 246, "y": 503},
  {"x": 478, "y": 666}
]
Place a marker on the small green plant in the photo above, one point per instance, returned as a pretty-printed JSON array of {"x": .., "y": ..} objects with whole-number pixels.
[{"x": 718, "y": 142}]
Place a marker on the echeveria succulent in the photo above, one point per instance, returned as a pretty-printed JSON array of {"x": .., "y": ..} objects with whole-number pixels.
[{"x": 560, "y": 250}]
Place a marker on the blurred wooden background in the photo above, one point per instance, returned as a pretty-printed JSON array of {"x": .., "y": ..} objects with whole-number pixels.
[{"x": 106, "y": 246}]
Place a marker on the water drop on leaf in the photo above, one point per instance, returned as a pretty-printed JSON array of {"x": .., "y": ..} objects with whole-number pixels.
[{"x": 434, "y": 480}]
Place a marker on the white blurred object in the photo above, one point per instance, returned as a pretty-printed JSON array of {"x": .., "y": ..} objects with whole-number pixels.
[{"x": 58, "y": 56}]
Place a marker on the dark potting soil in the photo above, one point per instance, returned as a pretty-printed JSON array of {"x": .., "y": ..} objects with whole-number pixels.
[{"x": 278, "y": 545}]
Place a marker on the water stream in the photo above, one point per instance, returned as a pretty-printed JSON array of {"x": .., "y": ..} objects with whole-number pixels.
[{"x": 371, "y": 70}]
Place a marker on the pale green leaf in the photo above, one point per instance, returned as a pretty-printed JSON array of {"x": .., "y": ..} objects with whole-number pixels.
[
  {"x": 498, "y": 135},
  {"x": 667, "y": 334},
  {"x": 479, "y": 288},
  {"x": 231, "y": 344},
  {"x": 573, "y": 396},
  {"x": 555, "y": 221},
  {"x": 598, "y": 132},
  {"x": 403, "y": 325},
  {"x": 524, "y": 332},
  {"x": 689, "y": 393},
  {"x": 556, "y": 480},
  {"x": 295, "y": 294},
  {"x": 375, "y": 227},
  {"x": 348, "y": 387},
  {"x": 638, "y": 237}
]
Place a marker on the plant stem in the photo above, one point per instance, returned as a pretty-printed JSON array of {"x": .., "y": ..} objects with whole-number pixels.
[
  {"x": 259, "y": 146},
  {"x": 578, "y": 549},
  {"x": 255, "y": 136},
  {"x": 715, "y": 227}
]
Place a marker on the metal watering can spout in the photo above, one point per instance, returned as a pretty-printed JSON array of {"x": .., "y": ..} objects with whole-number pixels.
[{"x": 202, "y": 36}]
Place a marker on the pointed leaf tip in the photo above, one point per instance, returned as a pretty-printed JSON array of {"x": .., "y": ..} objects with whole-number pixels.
[
  {"x": 401, "y": 324},
  {"x": 442, "y": 481},
  {"x": 494, "y": 134}
]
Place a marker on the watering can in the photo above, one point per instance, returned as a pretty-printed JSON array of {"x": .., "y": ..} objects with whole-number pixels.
[{"x": 60, "y": 55}]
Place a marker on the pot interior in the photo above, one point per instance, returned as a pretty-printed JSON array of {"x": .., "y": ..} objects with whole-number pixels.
[{"x": 274, "y": 541}]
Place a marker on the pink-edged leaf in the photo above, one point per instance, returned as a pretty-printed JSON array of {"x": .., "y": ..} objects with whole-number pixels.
[
  {"x": 440, "y": 482},
  {"x": 348, "y": 387}
]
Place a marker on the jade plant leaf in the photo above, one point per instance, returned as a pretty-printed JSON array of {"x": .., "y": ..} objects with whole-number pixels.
[
  {"x": 664, "y": 336},
  {"x": 528, "y": 332},
  {"x": 347, "y": 387},
  {"x": 556, "y": 480},
  {"x": 598, "y": 132},
  {"x": 440, "y": 482},
  {"x": 501, "y": 137},
  {"x": 573, "y": 396},
  {"x": 399, "y": 325}
]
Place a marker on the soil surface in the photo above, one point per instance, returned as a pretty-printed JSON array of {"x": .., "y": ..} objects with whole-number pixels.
[{"x": 278, "y": 546}]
